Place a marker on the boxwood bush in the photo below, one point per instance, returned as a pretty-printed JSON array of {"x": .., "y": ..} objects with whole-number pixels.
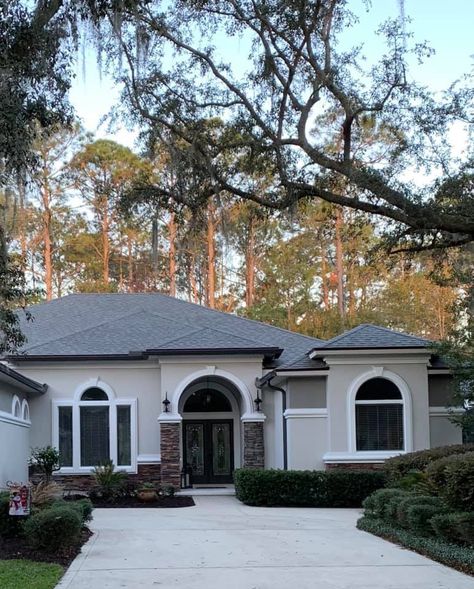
[
  {"x": 453, "y": 477},
  {"x": 382, "y": 503},
  {"x": 53, "y": 528},
  {"x": 411, "y": 500},
  {"x": 455, "y": 527},
  {"x": 84, "y": 507},
  {"x": 337, "y": 488},
  {"x": 400, "y": 466},
  {"x": 419, "y": 517}
]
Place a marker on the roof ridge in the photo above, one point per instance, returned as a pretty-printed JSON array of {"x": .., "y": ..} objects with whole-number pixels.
[
  {"x": 243, "y": 339},
  {"x": 336, "y": 338},
  {"x": 390, "y": 330}
]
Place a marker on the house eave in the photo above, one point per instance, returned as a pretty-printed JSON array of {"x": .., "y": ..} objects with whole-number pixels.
[{"x": 24, "y": 383}]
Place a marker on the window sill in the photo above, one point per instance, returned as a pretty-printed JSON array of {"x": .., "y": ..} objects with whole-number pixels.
[
  {"x": 359, "y": 457},
  {"x": 84, "y": 470}
]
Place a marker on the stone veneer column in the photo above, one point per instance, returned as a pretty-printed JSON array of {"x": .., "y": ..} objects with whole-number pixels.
[
  {"x": 170, "y": 453},
  {"x": 254, "y": 448}
]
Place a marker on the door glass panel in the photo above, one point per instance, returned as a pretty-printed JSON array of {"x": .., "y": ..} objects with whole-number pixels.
[
  {"x": 221, "y": 449},
  {"x": 195, "y": 447}
]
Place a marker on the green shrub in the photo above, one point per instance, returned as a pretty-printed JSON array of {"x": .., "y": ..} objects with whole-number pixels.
[
  {"x": 376, "y": 505},
  {"x": 342, "y": 488},
  {"x": 453, "y": 477},
  {"x": 47, "y": 460},
  {"x": 54, "y": 528},
  {"x": 410, "y": 500},
  {"x": 455, "y": 527},
  {"x": 459, "y": 557},
  {"x": 419, "y": 516},
  {"x": 83, "y": 507},
  {"x": 110, "y": 483},
  {"x": 400, "y": 466},
  {"x": 10, "y": 526}
]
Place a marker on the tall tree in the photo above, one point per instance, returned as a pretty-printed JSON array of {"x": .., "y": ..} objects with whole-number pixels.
[
  {"x": 101, "y": 172},
  {"x": 295, "y": 58}
]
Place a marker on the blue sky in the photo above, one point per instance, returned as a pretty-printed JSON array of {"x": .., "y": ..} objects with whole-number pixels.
[{"x": 447, "y": 26}]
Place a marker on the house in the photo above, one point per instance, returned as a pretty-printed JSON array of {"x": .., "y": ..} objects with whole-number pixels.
[{"x": 154, "y": 383}]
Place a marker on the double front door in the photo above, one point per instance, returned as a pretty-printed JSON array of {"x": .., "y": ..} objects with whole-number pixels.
[{"x": 208, "y": 450}]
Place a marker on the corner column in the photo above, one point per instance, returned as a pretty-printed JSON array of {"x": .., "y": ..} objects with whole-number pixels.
[
  {"x": 170, "y": 437},
  {"x": 254, "y": 446}
]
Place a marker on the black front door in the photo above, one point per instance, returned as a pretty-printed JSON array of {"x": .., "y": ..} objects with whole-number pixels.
[{"x": 208, "y": 450}]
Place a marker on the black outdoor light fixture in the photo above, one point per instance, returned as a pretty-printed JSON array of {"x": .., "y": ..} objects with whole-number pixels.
[
  {"x": 258, "y": 401},
  {"x": 166, "y": 402}
]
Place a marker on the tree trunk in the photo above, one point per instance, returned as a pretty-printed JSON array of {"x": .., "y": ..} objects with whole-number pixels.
[
  {"x": 130, "y": 262},
  {"x": 339, "y": 261},
  {"x": 172, "y": 254},
  {"x": 105, "y": 243},
  {"x": 211, "y": 258},
  {"x": 324, "y": 280},
  {"x": 250, "y": 265},
  {"x": 47, "y": 242},
  {"x": 193, "y": 291}
]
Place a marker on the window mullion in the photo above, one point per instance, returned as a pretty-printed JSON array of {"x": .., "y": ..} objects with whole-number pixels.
[{"x": 113, "y": 433}]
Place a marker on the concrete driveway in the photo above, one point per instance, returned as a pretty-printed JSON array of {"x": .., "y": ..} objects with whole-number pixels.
[{"x": 221, "y": 543}]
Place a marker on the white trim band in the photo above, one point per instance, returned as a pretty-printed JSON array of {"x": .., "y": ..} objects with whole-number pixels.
[
  {"x": 148, "y": 458},
  {"x": 305, "y": 412},
  {"x": 359, "y": 457},
  {"x": 9, "y": 418}
]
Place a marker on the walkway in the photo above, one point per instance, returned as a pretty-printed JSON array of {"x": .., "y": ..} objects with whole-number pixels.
[{"x": 221, "y": 543}]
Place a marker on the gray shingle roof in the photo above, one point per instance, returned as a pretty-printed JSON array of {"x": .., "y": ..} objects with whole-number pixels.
[
  {"x": 116, "y": 324},
  {"x": 372, "y": 337}
]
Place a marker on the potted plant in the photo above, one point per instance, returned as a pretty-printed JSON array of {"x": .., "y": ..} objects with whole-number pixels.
[{"x": 146, "y": 492}]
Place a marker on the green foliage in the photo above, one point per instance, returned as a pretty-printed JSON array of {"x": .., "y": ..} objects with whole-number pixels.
[
  {"x": 400, "y": 466},
  {"x": 168, "y": 491},
  {"x": 54, "y": 528},
  {"x": 379, "y": 504},
  {"x": 459, "y": 557},
  {"x": 411, "y": 500},
  {"x": 29, "y": 575},
  {"x": 453, "y": 477},
  {"x": 47, "y": 459},
  {"x": 83, "y": 507},
  {"x": 419, "y": 517},
  {"x": 454, "y": 527},
  {"x": 10, "y": 526},
  {"x": 110, "y": 483},
  {"x": 306, "y": 488}
]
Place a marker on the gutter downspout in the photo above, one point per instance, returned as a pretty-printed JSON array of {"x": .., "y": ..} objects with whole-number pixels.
[{"x": 266, "y": 381}]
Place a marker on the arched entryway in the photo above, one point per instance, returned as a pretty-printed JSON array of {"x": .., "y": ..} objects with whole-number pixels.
[
  {"x": 210, "y": 430},
  {"x": 210, "y": 422}
]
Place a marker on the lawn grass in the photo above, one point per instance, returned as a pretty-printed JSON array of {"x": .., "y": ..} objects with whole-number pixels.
[{"x": 24, "y": 574}]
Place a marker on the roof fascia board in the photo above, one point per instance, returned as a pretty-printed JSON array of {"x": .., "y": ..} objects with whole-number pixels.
[
  {"x": 29, "y": 385},
  {"x": 316, "y": 372},
  {"x": 324, "y": 352}
]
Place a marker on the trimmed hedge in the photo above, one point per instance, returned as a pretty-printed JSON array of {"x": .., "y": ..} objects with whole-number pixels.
[
  {"x": 338, "y": 488},
  {"x": 419, "y": 517},
  {"x": 84, "y": 507},
  {"x": 458, "y": 557},
  {"x": 454, "y": 527},
  {"x": 383, "y": 503},
  {"x": 400, "y": 466},
  {"x": 54, "y": 528},
  {"x": 453, "y": 477},
  {"x": 410, "y": 500}
]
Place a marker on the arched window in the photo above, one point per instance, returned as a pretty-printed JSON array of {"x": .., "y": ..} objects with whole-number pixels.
[
  {"x": 208, "y": 400},
  {"x": 25, "y": 410},
  {"x": 96, "y": 427},
  {"x": 16, "y": 407},
  {"x": 379, "y": 413}
]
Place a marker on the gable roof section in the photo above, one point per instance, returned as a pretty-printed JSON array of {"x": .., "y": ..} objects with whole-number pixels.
[
  {"x": 372, "y": 337},
  {"x": 125, "y": 325}
]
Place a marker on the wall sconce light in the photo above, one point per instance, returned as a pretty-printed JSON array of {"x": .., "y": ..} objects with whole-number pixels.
[{"x": 166, "y": 403}]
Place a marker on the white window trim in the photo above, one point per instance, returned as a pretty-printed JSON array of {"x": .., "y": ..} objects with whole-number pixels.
[
  {"x": 16, "y": 403},
  {"x": 379, "y": 372},
  {"x": 25, "y": 411},
  {"x": 113, "y": 403}
]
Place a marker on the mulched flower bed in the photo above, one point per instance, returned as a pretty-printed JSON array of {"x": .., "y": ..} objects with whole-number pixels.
[
  {"x": 17, "y": 548},
  {"x": 162, "y": 502}
]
